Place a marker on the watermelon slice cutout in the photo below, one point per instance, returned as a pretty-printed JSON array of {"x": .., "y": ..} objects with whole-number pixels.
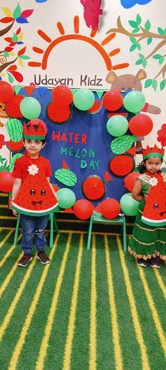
[
  {"x": 36, "y": 197},
  {"x": 154, "y": 212},
  {"x": 121, "y": 165}
]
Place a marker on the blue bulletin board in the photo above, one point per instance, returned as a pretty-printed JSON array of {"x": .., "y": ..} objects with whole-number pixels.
[{"x": 82, "y": 145}]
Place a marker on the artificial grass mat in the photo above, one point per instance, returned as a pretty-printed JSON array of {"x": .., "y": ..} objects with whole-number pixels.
[{"x": 87, "y": 310}]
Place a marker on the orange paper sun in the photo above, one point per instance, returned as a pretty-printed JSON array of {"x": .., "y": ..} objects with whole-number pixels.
[{"x": 76, "y": 36}]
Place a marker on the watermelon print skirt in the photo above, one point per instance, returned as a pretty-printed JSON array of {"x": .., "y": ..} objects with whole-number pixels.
[{"x": 147, "y": 241}]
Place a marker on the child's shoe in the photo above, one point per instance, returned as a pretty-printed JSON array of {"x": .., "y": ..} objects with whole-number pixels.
[
  {"x": 155, "y": 262},
  {"x": 26, "y": 258},
  {"x": 44, "y": 259},
  {"x": 141, "y": 262}
]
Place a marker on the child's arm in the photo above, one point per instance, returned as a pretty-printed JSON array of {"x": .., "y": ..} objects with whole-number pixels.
[
  {"x": 16, "y": 187},
  {"x": 136, "y": 193}
]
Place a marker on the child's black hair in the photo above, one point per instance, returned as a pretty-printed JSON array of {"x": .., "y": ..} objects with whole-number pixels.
[{"x": 43, "y": 140}]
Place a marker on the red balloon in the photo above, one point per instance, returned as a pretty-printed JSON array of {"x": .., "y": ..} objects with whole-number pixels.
[
  {"x": 6, "y": 181},
  {"x": 83, "y": 209},
  {"x": 110, "y": 208},
  {"x": 62, "y": 95},
  {"x": 6, "y": 91},
  {"x": 13, "y": 106},
  {"x": 112, "y": 100},
  {"x": 130, "y": 179},
  {"x": 140, "y": 125},
  {"x": 93, "y": 188}
]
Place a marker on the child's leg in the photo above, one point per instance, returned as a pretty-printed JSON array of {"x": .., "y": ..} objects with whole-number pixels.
[
  {"x": 28, "y": 230},
  {"x": 40, "y": 240},
  {"x": 40, "y": 226}
]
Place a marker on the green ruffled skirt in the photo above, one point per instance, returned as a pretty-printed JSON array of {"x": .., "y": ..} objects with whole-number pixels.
[{"x": 147, "y": 241}]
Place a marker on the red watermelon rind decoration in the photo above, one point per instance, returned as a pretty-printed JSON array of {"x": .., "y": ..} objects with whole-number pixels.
[
  {"x": 36, "y": 197},
  {"x": 15, "y": 147},
  {"x": 121, "y": 165},
  {"x": 154, "y": 212},
  {"x": 96, "y": 107},
  {"x": 93, "y": 188}
]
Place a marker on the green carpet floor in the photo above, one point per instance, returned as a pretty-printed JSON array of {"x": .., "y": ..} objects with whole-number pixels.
[{"x": 87, "y": 310}]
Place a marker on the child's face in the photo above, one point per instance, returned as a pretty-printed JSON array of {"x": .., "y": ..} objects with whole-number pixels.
[
  {"x": 33, "y": 147},
  {"x": 153, "y": 164}
]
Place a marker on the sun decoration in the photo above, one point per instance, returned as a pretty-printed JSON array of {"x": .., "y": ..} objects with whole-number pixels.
[
  {"x": 33, "y": 169},
  {"x": 76, "y": 36}
]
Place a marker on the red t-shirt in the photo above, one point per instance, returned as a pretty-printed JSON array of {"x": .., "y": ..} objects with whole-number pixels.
[{"x": 21, "y": 166}]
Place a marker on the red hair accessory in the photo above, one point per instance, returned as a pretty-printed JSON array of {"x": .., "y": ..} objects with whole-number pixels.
[{"x": 153, "y": 152}]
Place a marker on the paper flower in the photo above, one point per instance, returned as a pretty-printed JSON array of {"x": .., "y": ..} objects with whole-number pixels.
[
  {"x": 153, "y": 181},
  {"x": 33, "y": 169},
  {"x": 162, "y": 135}
]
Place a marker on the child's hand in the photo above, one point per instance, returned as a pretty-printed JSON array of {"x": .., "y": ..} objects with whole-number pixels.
[{"x": 14, "y": 212}]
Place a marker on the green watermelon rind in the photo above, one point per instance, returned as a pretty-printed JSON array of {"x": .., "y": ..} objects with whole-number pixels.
[
  {"x": 151, "y": 222},
  {"x": 30, "y": 212}
]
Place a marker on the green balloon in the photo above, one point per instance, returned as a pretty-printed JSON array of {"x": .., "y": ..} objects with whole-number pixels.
[
  {"x": 117, "y": 125},
  {"x": 128, "y": 205},
  {"x": 30, "y": 108},
  {"x": 66, "y": 198},
  {"x": 134, "y": 101},
  {"x": 83, "y": 99}
]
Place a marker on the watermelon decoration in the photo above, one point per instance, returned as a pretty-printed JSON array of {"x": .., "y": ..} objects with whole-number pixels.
[
  {"x": 65, "y": 175},
  {"x": 154, "y": 212},
  {"x": 58, "y": 114},
  {"x": 121, "y": 165},
  {"x": 96, "y": 107},
  {"x": 93, "y": 188},
  {"x": 15, "y": 147},
  {"x": 122, "y": 143},
  {"x": 14, "y": 129},
  {"x": 35, "y": 198}
]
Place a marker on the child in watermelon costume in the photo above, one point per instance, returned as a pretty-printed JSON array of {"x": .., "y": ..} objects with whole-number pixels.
[
  {"x": 32, "y": 195},
  {"x": 148, "y": 240}
]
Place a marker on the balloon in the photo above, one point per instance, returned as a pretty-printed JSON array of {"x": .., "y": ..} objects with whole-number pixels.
[
  {"x": 140, "y": 125},
  {"x": 83, "y": 209},
  {"x": 6, "y": 91},
  {"x": 83, "y": 99},
  {"x": 66, "y": 198},
  {"x": 62, "y": 95},
  {"x": 117, "y": 125},
  {"x": 130, "y": 179},
  {"x": 93, "y": 188},
  {"x": 129, "y": 205},
  {"x": 30, "y": 108},
  {"x": 110, "y": 208},
  {"x": 112, "y": 100},
  {"x": 6, "y": 181},
  {"x": 13, "y": 106},
  {"x": 134, "y": 101}
]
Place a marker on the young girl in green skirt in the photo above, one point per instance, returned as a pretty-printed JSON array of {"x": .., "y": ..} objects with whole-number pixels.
[{"x": 148, "y": 240}]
